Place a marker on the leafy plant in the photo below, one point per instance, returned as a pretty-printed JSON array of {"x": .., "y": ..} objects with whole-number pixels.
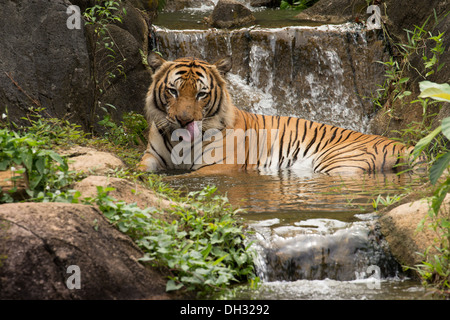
[
  {"x": 421, "y": 42},
  {"x": 53, "y": 131},
  {"x": 385, "y": 201},
  {"x": 129, "y": 132},
  {"x": 436, "y": 269},
  {"x": 45, "y": 169},
  {"x": 202, "y": 246},
  {"x": 296, "y": 5},
  {"x": 439, "y": 92},
  {"x": 105, "y": 51}
]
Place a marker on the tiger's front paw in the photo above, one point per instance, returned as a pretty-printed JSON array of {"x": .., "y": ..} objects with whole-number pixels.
[{"x": 148, "y": 163}]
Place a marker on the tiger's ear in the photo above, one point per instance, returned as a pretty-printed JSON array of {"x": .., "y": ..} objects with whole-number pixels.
[
  {"x": 224, "y": 65},
  {"x": 155, "y": 60}
]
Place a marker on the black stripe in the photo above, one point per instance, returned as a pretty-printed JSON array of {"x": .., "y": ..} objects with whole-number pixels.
[
  {"x": 320, "y": 140},
  {"x": 280, "y": 153},
  {"x": 311, "y": 142},
  {"x": 159, "y": 156},
  {"x": 305, "y": 130}
]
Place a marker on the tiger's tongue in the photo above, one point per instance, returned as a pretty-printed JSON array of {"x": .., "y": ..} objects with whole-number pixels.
[{"x": 192, "y": 131}]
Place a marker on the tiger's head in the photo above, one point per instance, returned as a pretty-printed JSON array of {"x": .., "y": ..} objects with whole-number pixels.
[{"x": 186, "y": 92}]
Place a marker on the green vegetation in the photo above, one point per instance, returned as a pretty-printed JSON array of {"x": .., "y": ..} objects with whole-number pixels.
[
  {"x": 200, "y": 242},
  {"x": 21, "y": 153},
  {"x": 427, "y": 44},
  {"x": 296, "y": 5},
  {"x": 107, "y": 58},
  {"x": 430, "y": 138},
  {"x": 435, "y": 268},
  {"x": 202, "y": 247}
]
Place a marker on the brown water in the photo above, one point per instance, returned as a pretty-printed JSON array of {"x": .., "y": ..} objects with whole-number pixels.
[{"x": 315, "y": 235}]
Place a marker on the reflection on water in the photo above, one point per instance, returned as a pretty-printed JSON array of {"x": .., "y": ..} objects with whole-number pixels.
[
  {"x": 295, "y": 194},
  {"x": 315, "y": 233},
  {"x": 194, "y": 19}
]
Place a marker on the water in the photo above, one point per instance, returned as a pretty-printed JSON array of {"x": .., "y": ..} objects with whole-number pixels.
[
  {"x": 315, "y": 235},
  {"x": 193, "y": 18}
]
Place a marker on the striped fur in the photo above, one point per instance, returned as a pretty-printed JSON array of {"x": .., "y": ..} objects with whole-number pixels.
[{"x": 187, "y": 91}]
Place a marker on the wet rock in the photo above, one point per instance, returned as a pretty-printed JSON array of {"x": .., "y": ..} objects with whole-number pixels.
[
  {"x": 230, "y": 14},
  {"x": 39, "y": 241},
  {"x": 400, "y": 228},
  {"x": 322, "y": 249}
]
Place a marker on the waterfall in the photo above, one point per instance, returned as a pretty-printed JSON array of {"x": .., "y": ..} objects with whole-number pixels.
[
  {"x": 324, "y": 74},
  {"x": 317, "y": 249}
]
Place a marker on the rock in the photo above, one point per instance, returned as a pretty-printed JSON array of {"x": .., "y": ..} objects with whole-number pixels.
[
  {"x": 265, "y": 3},
  {"x": 399, "y": 226},
  {"x": 123, "y": 191},
  {"x": 177, "y": 5},
  {"x": 14, "y": 183},
  {"x": 89, "y": 160},
  {"x": 230, "y": 14},
  {"x": 42, "y": 62},
  {"x": 39, "y": 241},
  {"x": 124, "y": 79},
  {"x": 335, "y": 11}
]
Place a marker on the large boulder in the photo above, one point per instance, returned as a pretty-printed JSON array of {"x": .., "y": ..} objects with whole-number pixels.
[
  {"x": 230, "y": 14},
  {"x": 42, "y": 62},
  {"x": 407, "y": 228},
  {"x": 45, "y": 64},
  {"x": 39, "y": 242},
  {"x": 335, "y": 11}
]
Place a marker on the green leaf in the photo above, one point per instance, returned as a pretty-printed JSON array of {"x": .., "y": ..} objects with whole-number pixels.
[
  {"x": 171, "y": 285},
  {"x": 438, "y": 167},
  {"x": 27, "y": 160},
  {"x": 220, "y": 259},
  {"x": 446, "y": 127},
  {"x": 40, "y": 165},
  {"x": 4, "y": 164},
  {"x": 424, "y": 142},
  {"x": 436, "y": 91},
  {"x": 205, "y": 252}
]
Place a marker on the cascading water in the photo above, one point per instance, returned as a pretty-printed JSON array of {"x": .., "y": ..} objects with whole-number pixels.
[{"x": 307, "y": 72}]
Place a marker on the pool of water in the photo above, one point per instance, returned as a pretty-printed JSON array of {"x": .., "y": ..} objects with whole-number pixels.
[
  {"x": 315, "y": 235},
  {"x": 194, "y": 19}
]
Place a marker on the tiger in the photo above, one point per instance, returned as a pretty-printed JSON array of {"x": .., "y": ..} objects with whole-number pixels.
[{"x": 194, "y": 126}]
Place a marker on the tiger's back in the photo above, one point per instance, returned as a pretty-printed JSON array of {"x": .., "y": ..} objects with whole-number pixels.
[{"x": 318, "y": 147}]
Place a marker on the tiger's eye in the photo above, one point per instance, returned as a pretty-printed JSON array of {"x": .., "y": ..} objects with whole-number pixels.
[
  {"x": 173, "y": 92},
  {"x": 201, "y": 95}
]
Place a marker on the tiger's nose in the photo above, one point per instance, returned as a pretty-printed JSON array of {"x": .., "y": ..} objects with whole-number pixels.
[{"x": 184, "y": 118}]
